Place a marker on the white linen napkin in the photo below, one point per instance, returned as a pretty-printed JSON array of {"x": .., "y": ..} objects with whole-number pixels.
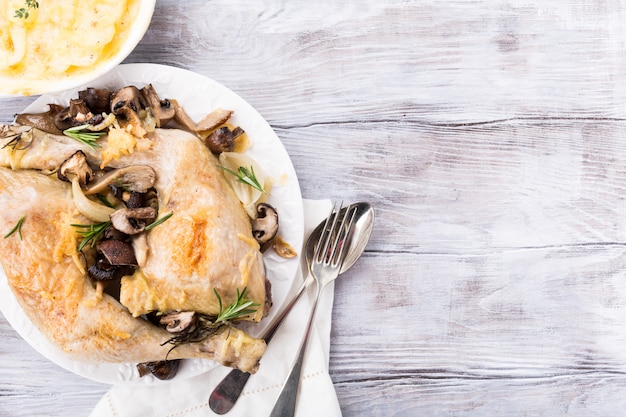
[{"x": 189, "y": 397}]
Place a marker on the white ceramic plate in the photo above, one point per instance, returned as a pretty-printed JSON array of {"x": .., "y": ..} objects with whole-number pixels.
[{"x": 199, "y": 96}]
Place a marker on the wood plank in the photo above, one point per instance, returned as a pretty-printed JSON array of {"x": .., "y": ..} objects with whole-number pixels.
[{"x": 303, "y": 63}]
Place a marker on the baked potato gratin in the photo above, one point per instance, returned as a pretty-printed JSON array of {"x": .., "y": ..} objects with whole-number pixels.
[
  {"x": 46, "y": 42},
  {"x": 133, "y": 234}
]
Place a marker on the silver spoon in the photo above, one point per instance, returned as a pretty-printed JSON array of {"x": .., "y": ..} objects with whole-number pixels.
[{"x": 225, "y": 395}]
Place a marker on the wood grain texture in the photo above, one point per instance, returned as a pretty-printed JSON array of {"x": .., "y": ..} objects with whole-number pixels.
[{"x": 490, "y": 136}]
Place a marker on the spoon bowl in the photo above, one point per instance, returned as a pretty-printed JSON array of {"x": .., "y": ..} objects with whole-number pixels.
[{"x": 358, "y": 237}]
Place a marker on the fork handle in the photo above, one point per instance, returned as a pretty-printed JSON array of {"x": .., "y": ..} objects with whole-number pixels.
[{"x": 286, "y": 403}]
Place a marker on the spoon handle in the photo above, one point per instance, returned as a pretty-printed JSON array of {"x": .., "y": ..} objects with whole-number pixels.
[
  {"x": 286, "y": 403},
  {"x": 226, "y": 393}
]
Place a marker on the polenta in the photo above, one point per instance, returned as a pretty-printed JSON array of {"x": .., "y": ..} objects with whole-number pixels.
[{"x": 59, "y": 39}]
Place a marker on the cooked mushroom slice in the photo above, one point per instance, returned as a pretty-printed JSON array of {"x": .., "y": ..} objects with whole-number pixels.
[
  {"x": 126, "y": 103},
  {"x": 283, "y": 249},
  {"x": 138, "y": 178},
  {"x": 163, "y": 370},
  {"x": 75, "y": 115},
  {"x": 223, "y": 139},
  {"x": 75, "y": 166},
  {"x": 209, "y": 122},
  {"x": 103, "y": 271},
  {"x": 265, "y": 226},
  {"x": 179, "y": 321},
  {"x": 42, "y": 121},
  {"x": 162, "y": 110},
  {"x": 214, "y": 119},
  {"x": 117, "y": 252},
  {"x": 127, "y": 98},
  {"x": 134, "y": 199},
  {"x": 96, "y": 99},
  {"x": 112, "y": 233},
  {"x": 132, "y": 221}
]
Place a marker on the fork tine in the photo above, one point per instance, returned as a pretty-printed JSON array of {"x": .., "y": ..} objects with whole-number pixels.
[
  {"x": 327, "y": 251},
  {"x": 333, "y": 233},
  {"x": 338, "y": 247},
  {"x": 322, "y": 244}
]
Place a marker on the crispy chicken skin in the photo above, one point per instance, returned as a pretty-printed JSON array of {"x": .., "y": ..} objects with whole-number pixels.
[{"x": 205, "y": 245}]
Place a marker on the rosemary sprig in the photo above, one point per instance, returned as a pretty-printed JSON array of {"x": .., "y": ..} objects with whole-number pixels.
[
  {"x": 104, "y": 200},
  {"x": 159, "y": 221},
  {"x": 23, "y": 12},
  {"x": 86, "y": 138},
  {"x": 17, "y": 228},
  {"x": 15, "y": 141},
  {"x": 90, "y": 233},
  {"x": 245, "y": 176},
  {"x": 238, "y": 309},
  {"x": 209, "y": 325}
]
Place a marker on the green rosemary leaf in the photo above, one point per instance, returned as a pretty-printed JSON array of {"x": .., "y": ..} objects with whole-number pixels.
[
  {"x": 85, "y": 137},
  {"x": 245, "y": 176},
  {"x": 239, "y": 308},
  {"x": 17, "y": 228},
  {"x": 159, "y": 221},
  {"x": 104, "y": 200},
  {"x": 90, "y": 232}
]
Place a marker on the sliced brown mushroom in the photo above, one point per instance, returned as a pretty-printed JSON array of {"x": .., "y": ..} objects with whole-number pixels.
[
  {"x": 76, "y": 114},
  {"x": 265, "y": 225},
  {"x": 96, "y": 99},
  {"x": 112, "y": 233},
  {"x": 209, "y": 122},
  {"x": 117, "y": 252},
  {"x": 214, "y": 119},
  {"x": 163, "y": 370},
  {"x": 126, "y": 103},
  {"x": 139, "y": 178},
  {"x": 162, "y": 110},
  {"x": 132, "y": 221},
  {"x": 134, "y": 199},
  {"x": 42, "y": 121},
  {"x": 103, "y": 271},
  {"x": 75, "y": 166},
  {"x": 178, "y": 321},
  {"x": 127, "y": 98},
  {"x": 223, "y": 139}
]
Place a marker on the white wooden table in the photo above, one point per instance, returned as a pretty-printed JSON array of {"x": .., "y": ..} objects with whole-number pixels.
[{"x": 491, "y": 138}]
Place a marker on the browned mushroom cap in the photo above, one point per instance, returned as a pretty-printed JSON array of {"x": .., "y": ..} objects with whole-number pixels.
[
  {"x": 163, "y": 370},
  {"x": 265, "y": 226},
  {"x": 223, "y": 139},
  {"x": 127, "y": 98},
  {"x": 96, "y": 99},
  {"x": 102, "y": 270},
  {"x": 132, "y": 221},
  {"x": 75, "y": 166},
  {"x": 126, "y": 103},
  {"x": 209, "y": 122},
  {"x": 117, "y": 252},
  {"x": 162, "y": 110},
  {"x": 76, "y": 114},
  {"x": 42, "y": 121},
  {"x": 178, "y": 321},
  {"x": 138, "y": 178}
]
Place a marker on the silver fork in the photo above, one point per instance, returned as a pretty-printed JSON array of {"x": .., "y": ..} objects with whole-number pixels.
[{"x": 324, "y": 267}]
